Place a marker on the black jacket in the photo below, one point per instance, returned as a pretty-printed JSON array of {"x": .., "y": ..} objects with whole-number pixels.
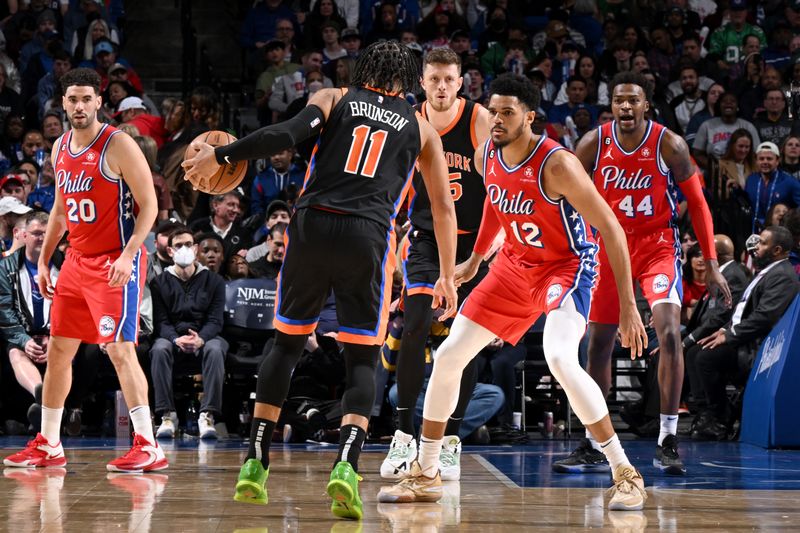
[
  {"x": 197, "y": 304},
  {"x": 710, "y": 313},
  {"x": 238, "y": 238},
  {"x": 766, "y": 304}
]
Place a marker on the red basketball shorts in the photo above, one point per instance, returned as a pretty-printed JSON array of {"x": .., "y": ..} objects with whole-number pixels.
[
  {"x": 512, "y": 296},
  {"x": 86, "y": 308},
  {"x": 655, "y": 264}
]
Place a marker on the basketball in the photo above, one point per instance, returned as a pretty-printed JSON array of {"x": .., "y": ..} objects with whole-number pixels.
[{"x": 228, "y": 177}]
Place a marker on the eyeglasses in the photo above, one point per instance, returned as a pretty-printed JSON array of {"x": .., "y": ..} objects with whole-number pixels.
[{"x": 179, "y": 245}]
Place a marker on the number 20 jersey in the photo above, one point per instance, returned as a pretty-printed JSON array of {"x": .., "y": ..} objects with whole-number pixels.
[
  {"x": 539, "y": 229},
  {"x": 99, "y": 205},
  {"x": 637, "y": 185}
]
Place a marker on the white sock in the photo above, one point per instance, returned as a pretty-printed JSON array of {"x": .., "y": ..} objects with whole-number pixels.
[
  {"x": 612, "y": 448},
  {"x": 428, "y": 455},
  {"x": 51, "y": 424},
  {"x": 595, "y": 445},
  {"x": 669, "y": 426},
  {"x": 142, "y": 425}
]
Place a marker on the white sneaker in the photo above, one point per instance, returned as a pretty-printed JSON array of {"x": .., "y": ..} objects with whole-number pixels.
[
  {"x": 450, "y": 458},
  {"x": 402, "y": 453},
  {"x": 205, "y": 425},
  {"x": 168, "y": 426}
]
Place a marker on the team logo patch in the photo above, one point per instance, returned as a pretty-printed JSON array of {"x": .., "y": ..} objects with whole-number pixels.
[
  {"x": 491, "y": 154},
  {"x": 528, "y": 172},
  {"x": 90, "y": 156},
  {"x": 106, "y": 326},
  {"x": 554, "y": 292},
  {"x": 607, "y": 141},
  {"x": 660, "y": 283},
  {"x": 646, "y": 152}
]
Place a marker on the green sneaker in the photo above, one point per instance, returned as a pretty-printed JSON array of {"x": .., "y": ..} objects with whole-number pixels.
[
  {"x": 252, "y": 484},
  {"x": 343, "y": 488}
]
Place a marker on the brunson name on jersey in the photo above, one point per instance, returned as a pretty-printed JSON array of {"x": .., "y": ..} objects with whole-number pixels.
[{"x": 372, "y": 112}]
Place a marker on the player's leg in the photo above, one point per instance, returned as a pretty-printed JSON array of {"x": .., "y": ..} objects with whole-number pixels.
[{"x": 563, "y": 331}]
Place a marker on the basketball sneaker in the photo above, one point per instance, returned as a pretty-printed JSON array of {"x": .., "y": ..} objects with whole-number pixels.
[
  {"x": 416, "y": 487},
  {"x": 667, "y": 459},
  {"x": 402, "y": 453},
  {"x": 38, "y": 453},
  {"x": 252, "y": 484},
  {"x": 343, "y": 488},
  {"x": 142, "y": 457},
  {"x": 168, "y": 427},
  {"x": 628, "y": 492},
  {"x": 450, "y": 458},
  {"x": 583, "y": 460},
  {"x": 205, "y": 426}
]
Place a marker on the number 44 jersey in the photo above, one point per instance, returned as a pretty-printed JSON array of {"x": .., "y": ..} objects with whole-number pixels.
[{"x": 99, "y": 205}]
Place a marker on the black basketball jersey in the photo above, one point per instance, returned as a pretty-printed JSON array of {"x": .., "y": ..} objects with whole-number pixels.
[
  {"x": 466, "y": 185},
  {"x": 364, "y": 157}
]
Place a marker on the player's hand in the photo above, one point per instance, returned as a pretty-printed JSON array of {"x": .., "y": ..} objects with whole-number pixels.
[
  {"x": 202, "y": 165},
  {"x": 445, "y": 289},
  {"x": 717, "y": 285},
  {"x": 467, "y": 270},
  {"x": 46, "y": 288},
  {"x": 120, "y": 271},
  {"x": 631, "y": 331}
]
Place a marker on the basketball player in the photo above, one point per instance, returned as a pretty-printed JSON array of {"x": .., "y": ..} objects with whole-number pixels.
[
  {"x": 341, "y": 237},
  {"x": 634, "y": 164},
  {"x": 461, "y": 124},
  {"x": 105, "y": 199},
  {"x": 538, "y": 193}
]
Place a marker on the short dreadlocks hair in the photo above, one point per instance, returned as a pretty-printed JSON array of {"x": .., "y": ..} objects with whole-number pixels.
[
  {"x": 519, "y": 86},
  {"x": 629, "y": 77},
  {"x": 389, "y": 66}
]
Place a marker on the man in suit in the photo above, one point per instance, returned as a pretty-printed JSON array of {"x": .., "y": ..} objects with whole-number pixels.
[{"x": 760, "y": 307}]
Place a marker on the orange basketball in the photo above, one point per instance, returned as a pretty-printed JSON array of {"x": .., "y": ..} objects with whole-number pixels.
[{"x": 228, "y": 177}]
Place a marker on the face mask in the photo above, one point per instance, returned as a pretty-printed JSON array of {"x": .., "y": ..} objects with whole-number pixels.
[
  {"x": 184, "y": 256},
  {"x": 314, "y": 86}
]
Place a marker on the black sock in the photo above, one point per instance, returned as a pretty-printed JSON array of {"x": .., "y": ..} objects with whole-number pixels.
[
  {"x": 405, "y": 420},
  {"x": 351, "y": 439},
  {"x": 453, "y": 426},
  {"x": 260, "y": 438}
]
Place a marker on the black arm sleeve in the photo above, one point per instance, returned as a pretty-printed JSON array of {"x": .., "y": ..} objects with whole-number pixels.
[{"x": 275, "y": 138}]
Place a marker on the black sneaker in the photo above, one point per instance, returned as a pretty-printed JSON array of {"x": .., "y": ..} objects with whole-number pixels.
[
  {"x": 583, "y": 460},
  {"x": 667, "y": 459}
]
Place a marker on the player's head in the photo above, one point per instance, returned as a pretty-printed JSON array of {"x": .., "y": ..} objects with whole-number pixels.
[
  {"x": 630, "y": 100},
  {"x": 441, "y": 78},
  {"x": 389, "y": 66},
  {"x": 512, "y": 107},
  {"x": 81, "y": 100}
]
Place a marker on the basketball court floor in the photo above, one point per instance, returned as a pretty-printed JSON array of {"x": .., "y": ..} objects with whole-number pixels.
[{"x": 732, "y": 487}]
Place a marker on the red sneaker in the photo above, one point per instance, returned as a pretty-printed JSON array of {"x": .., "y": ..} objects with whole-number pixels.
[
  {"x": 142, "y": 457},
  {"x": 38, "y": 453}
]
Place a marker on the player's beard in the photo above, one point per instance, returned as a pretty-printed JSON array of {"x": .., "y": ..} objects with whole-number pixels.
[
  {"x": 89, "y": 119},
  {"x": 441, "y": 107},
  {"x": 509, "y": 138}
]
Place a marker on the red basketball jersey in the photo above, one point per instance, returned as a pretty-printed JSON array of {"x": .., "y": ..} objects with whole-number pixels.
[
  {"x": 538, "y": 229},
  {"x": 100, "y": 208},
  {"x": 637, "y": 185}
]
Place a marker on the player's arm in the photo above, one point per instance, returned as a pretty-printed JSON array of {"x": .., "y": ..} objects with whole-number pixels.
[
  {"x": 126, "y": 159},
  {"x": 433, "y": 168},
  {"x": 483, "y": 129},
  {"x": 490, "y": 227},
  {"x": 586, "y": 151},
  {"x": 565, "y": 177},
  {"x": 676, "y": 156},
  {"x": 267, "y": 141},
  {"x": 56, "y": 228}
]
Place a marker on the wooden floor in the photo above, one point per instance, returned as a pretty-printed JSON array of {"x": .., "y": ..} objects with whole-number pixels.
[{"x": 195, "y": 494}]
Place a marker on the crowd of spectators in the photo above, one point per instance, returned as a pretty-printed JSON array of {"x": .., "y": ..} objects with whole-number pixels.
[{"x": 720, "y": 73}]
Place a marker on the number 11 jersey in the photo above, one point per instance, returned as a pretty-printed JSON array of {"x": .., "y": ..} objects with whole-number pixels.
[{"x": 365, "y": 156}]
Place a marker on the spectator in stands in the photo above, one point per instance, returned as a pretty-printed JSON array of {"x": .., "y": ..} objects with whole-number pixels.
[
  {"x": 237, "y": 268},
  {"x": 44, "y": 194},
  {"x": 188, "y": 303},
  {"x": 28, "y": 173},
  {"x": 435, "y": 29},
  {"x": 224, "y": 221},
  {"x": 285, "y": 32},
  {"x": 511, "y": 55},
  {"x": 32, "y": 142},
  {"x": 459, "y": 42},
  {"x": 332, "y": 48},
  {"x": 260, "y": 23},
  {"x": 351, "y": 42},
  {"x": 290, "y": 87},
  {"x": 694, "y": 281},
  {"x": 345, "y": 66},
  {"x": 45, "y": 30},
  {"x": 555, "y": 34},
  {"x": 210, "y": 251},
  {"x": 269, "y": 265},
  {"x": 769, "y": 185},
  {"x": 773, "y": 124},
  {"x": 48, "y": 86},
  {"x": 277, "y": 66},
  {"x": 474, "y": 87},
  {"x": 791, "y": 221},
  {"x": 751, "y": 86},
  {"x": 164, "y": 198},
  {"x": 10, "y": 101},
  {"x": 277, "y": 211},
  {"x": 790, "y": 156},
  {"x": 105, "y": 57},
  {"x": 13, "y": 79},
  {"x": 596, "y": 89},
  {"x": 759, "y": 309},
  {"x": 713, "y": 135},
  {"x": 385, "y": 27},
  {"x": 160, "y": 259},
  {"x": 616, "y": 58},
  {"x": 711, "y": 110},
  {"x": 738, "y": 161},
  {"x": 52, "y": 128},
  {"x": 323, "y": 12},
  {"x": 12, "y": 185},
  {"x": 11, "y": 142},
  {"x": 690, "y": 102},
  {"x": 726, "y": 41},
  {"x": 10, "y": 211},
  {"x": 272, "y": 182},
  {"x": 83, "y": 41},
  {"x": 576, "y": 97},
  {"x": 132, "y": 111},
  {"x": 80, "y": 15}
]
